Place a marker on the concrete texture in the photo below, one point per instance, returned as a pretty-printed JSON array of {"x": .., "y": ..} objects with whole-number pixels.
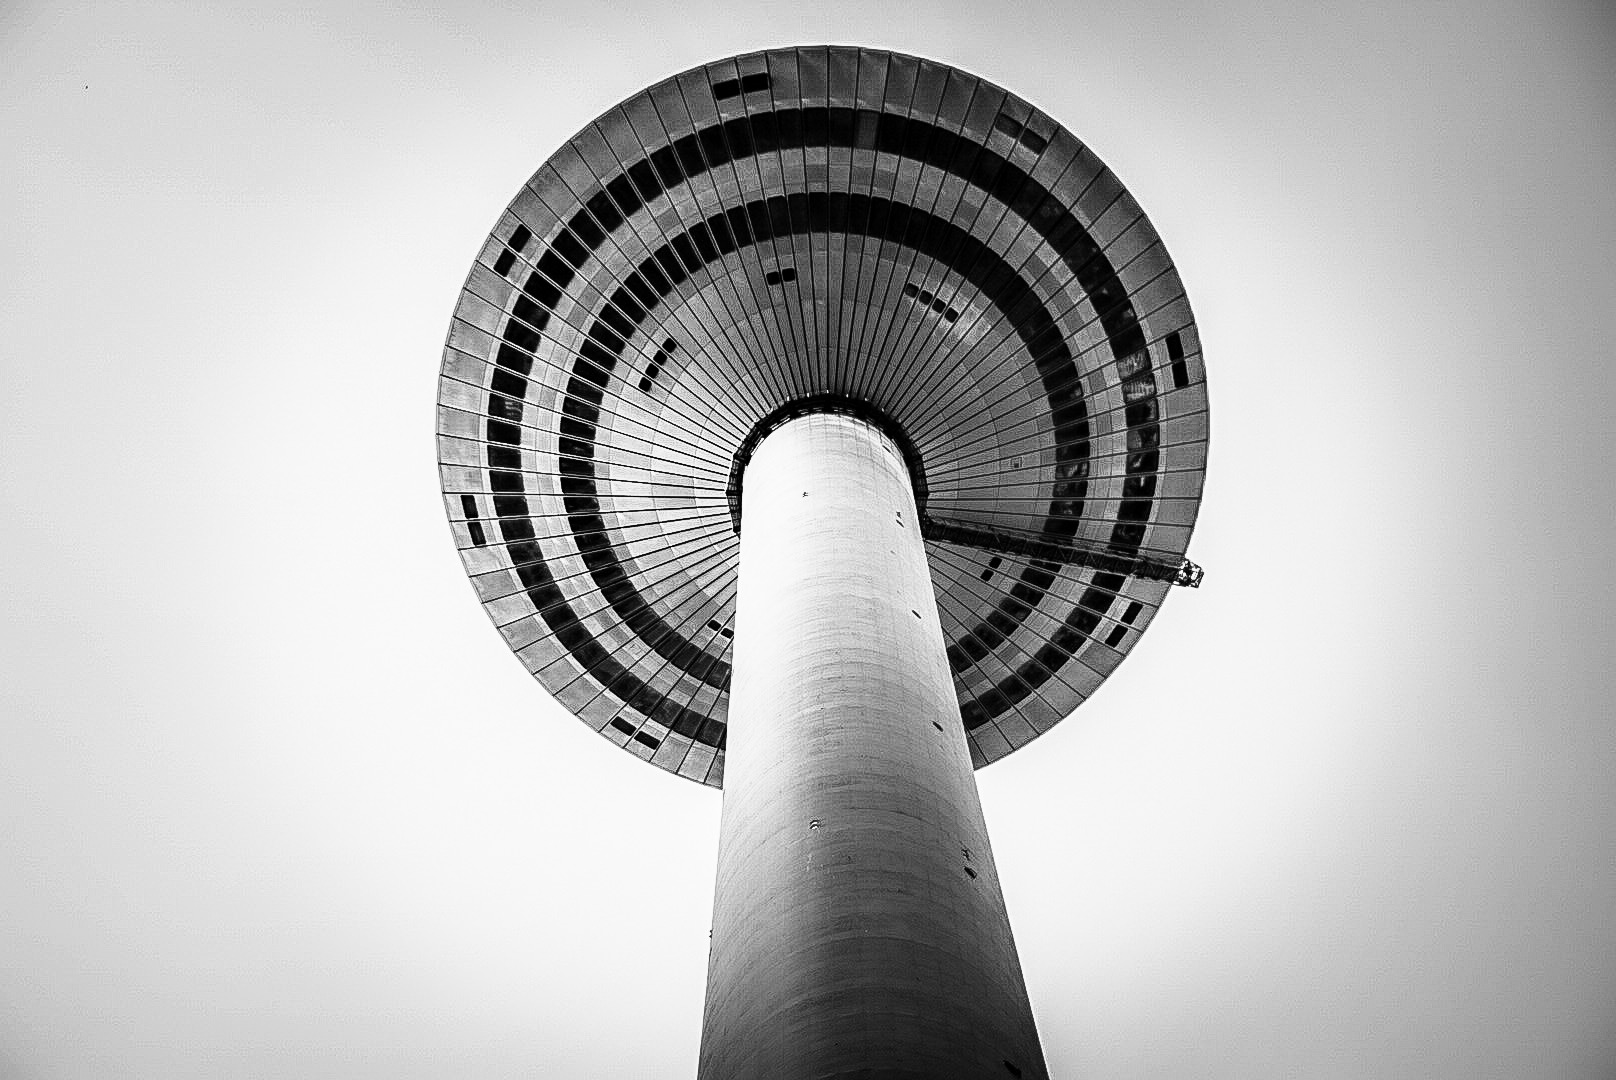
[{"x": 858, "y": 928}]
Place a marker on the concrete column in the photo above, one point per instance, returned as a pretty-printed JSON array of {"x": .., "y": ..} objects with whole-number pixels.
[{"x": 858, "y": 926}]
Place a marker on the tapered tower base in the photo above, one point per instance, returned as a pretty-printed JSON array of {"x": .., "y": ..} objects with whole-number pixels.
[{"x": 859, "y": 929}]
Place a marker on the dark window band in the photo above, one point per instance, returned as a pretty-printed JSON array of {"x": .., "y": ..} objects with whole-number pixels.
[
  {"x": 757, "y": 222},
  {"x": 766, "y": 132}
]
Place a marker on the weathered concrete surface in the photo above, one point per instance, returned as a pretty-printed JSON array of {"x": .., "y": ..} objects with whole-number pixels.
[{"x": 859, "y": 929}]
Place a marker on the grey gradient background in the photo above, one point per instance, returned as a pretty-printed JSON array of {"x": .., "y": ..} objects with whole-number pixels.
[{"x": 275, "y": 801}]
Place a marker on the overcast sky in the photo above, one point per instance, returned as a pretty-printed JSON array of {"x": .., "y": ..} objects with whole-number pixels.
[{"x": 276, "y": 801}]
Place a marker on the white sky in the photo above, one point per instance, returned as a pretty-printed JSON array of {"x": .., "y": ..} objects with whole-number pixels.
[{"x": 275, "y": 800}]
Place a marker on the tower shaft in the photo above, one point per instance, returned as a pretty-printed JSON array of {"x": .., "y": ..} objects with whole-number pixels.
[{"x": 858, "y": 925}]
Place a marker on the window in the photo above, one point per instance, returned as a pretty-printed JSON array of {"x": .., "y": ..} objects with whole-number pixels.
[
  {"x": 1020, "y": 132},
  {"x": 507, "y": 258},
  {"x": 654, "y": 368},
  {"x": 746, "y": 84},
  {"x": 1175, "y": 353},
  {"x": 929, "y": 299}
]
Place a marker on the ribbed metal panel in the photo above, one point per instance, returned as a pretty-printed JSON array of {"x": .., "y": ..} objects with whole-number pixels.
[{"x": 833, "y": 222}]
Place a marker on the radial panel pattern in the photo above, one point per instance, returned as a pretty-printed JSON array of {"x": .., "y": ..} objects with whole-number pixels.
[{"x": 850, "y": 229}]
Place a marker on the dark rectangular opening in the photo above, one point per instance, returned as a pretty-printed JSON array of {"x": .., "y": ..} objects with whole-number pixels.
[
  {"x": 503, "y": 264},
  {"x": 1012, "y": 1068},
  {"x": 1008, "y": 124},
  {"x": 970, "y": 873},
  {"x": 1115, "y": 636},
  {"x": 477, "y": 535},
  {"x": 622, "y": 725},
  {"x": 1175, "y": 353},
  {"x": 469, "y": 505},
  {"x": 508, "y": 383},
  {"x": 647, "y": 740},
  {"x": 570, "y": 248},
  {"x": 652, "y": 370},
  {"x": 520, "y": 236},
  {"x": 780, "y": 276},
  {"x": 746, "y": 84},
  {"x": 1021, "y": 133},
  {"x": 867, "y": 127},
  {"x": 1132, "y": 613}
]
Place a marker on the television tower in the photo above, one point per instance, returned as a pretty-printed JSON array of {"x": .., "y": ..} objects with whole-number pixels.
[{"x": 822, "y": 424}]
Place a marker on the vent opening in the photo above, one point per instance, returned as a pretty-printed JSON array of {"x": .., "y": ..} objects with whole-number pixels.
[
  {"x": 927, "y": 298},
  {"x": 746, "y": 84},
  {"x": 1175, "y": 353},
  {"x": 507, "y": 258},
  {"x": 1020, "y": 132}
]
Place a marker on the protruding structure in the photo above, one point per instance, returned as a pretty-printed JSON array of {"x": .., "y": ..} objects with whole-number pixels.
[{"x": 858, "y": 373}]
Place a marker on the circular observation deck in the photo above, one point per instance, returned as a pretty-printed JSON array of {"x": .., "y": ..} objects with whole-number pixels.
[{"x": 820, "y": 229}]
